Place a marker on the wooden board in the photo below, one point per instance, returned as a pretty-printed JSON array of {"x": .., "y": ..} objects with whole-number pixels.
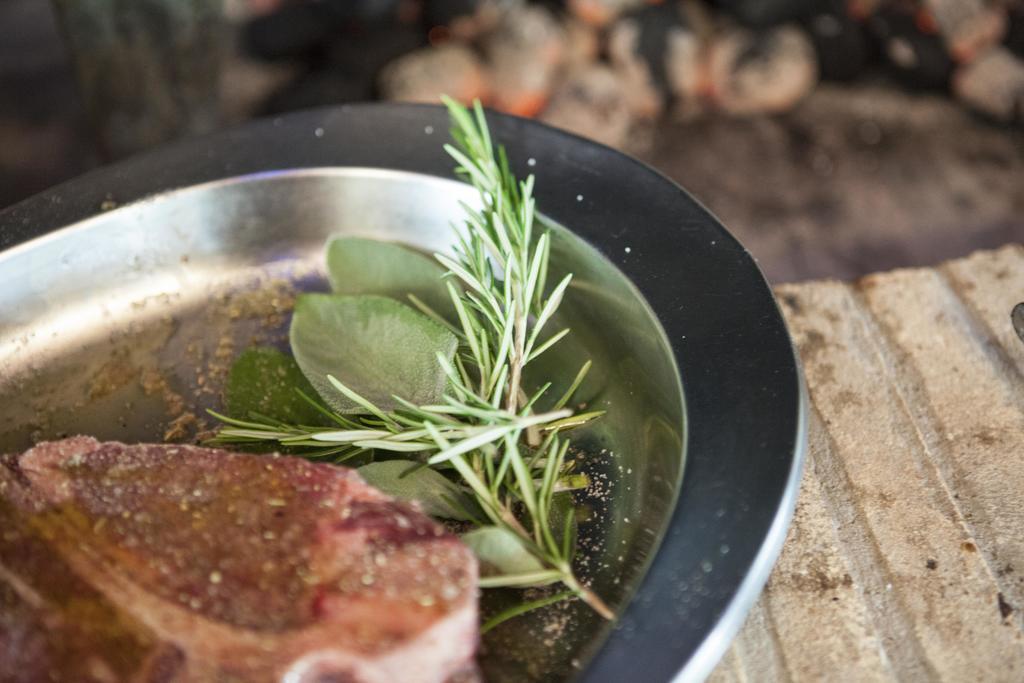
[{"x": 905, "y": 560}]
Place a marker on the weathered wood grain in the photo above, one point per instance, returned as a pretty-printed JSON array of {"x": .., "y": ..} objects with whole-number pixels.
[{"x": 905, "y": 560}]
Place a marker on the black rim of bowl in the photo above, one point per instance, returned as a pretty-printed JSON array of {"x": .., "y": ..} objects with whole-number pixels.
[{"x": 744, "y": 397}]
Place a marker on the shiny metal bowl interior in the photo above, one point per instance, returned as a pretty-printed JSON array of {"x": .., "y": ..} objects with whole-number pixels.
[
  {"x": 120, "y": 324},
  {"x": 168, "y": 287}
]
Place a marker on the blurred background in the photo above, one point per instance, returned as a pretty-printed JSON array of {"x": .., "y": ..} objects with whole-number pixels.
[{"x": 833, "y": 137}]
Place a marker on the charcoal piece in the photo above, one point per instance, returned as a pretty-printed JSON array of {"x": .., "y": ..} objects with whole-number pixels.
[
  {"x": 444, "y": 12},
  {"x": 523, "y": 54},
  {"x": 840, "y": 43},
  {"x": 557, "y": 6},
  {"x": 766, "y": 13},
  {"x": 294, "y": 31},
  {"x": 582, "y": 42},
  {"x": 468, "y": 19},
  {"x": 362, "y": 52},
  {"x": 1014, "y": 38},
  {"x": 592, "y": 102},
  {"x": 916, "y": 57},
  {"x": 602, "y": 12},
  {"x": 686, "y": 62},
  {"x": 763, "y": 71},
  {"x": 317, "y": 89},
  {"x": 993, "y": 85},
  {"x": 651, "y": 30},
  {"x": 424, "y": 75},
  {"x": 305, "y": 29},
  {"x": 968, "y": 27},
  {"x": 363, "y": 10}
]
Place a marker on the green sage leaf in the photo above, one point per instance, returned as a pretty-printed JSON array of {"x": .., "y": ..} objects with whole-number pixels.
[
  {"x": 412, "y": 481},
  {"x": 356, "y": 265},
  {"x": 375, "y": 346},
  {"x": 266, "y": 382},
  {"x": 501, "y": 552}
]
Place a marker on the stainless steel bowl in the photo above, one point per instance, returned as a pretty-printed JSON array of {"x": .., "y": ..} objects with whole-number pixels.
[{"x": 125, "y": 294}]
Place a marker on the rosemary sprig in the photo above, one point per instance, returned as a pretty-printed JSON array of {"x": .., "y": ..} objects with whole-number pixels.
[{"x": 508, "y": 457}]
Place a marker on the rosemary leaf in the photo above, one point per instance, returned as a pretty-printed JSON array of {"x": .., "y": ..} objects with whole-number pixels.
[{"x": 522, "y": 608}]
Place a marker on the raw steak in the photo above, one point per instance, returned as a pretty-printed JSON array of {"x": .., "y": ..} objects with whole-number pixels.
[{"x": 178, "y": 563}]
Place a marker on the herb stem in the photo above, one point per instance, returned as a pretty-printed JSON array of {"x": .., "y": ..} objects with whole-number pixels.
[{"x": 586, "y": 595}]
